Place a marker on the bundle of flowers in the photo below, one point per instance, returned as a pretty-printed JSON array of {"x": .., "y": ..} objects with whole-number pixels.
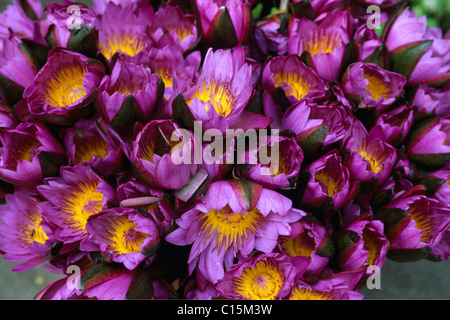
[{"x": 222, "y": 149}]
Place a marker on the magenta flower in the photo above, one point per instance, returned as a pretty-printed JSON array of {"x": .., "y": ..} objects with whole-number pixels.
[
  {"x": 371, "y": 86},
  {"x": 24, "y": 236},
  {"x": 71, "y": 199},
  {"x": 324, "y": 39},
  {"x": 310, "y": 243},
  {"x": 122, "y": 30},
  {"x": 335, "y": 287},
  {"x": 318, "y": 6},
  {"x": 86, "y": 143},
  {"x": 281, "y": 173},
  {"x": 431, "y": 101},
  {"x": 329, "y": 186},
  {"x": 429, "y": 144},
  {"x": 223, "y": 23},
  {"x": 438, "y": 185},
  {"x": 441, "y": 251},
  {"x": 289, "y": 80},
  {"x": 360, "y": 244},
  {"x": 222, "y": 91},
  {"x": 370, "y": 160},
  {"x": 393, "y": 126},
  {"x": 124, "y": 234},
  {"x": 29, "y": 153},
  {"x": 152, "y": 155},
  {"x": 131, "y": 93},
  {"x": 409, "y": 31},
  {"x": 7, "y": 117},
  {"x": 18, "y": 67},
  {"x": 62, "y": 89},
  {"x": 268, "y": 276},
  {"x": 171, "y": 21},
  {"x": 413, "y": 224},
  {"x": 233, "y": 218}
]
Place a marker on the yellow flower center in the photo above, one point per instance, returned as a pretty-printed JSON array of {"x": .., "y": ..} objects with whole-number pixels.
[
  {"x": 322, "y": 41},
  {"x": 66, "y": 86},
  {"x": 31, "y": 231},
  {"x": 89, "y": 148},
  {"x": 327, "y": 180},
  {"x": 261, "y": 282},
  {"x": 292, "y": 83},
  {"x": 307, "y": 294},
  {"x": 217, "y": 95},
  {"x": 123, "y": 236},
  {"x": 422, "y": 222},
  {"x": 375, "y": 160},
  {"x": 129, "y": 44},
  {"x": 371, "y": 246},
  {"x": 24, "y": 149},
  {"x": 82, "y": 202},
  {"x": 231, "y": 228},
  {"x": 303, "y": 245},
  {"x": 376, "y": 87}
]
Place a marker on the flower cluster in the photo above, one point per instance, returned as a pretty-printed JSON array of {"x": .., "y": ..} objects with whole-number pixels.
[{"x": 95, "y": 102}]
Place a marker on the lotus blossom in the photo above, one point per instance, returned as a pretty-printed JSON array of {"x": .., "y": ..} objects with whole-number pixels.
[
  {"x": 265, "y": 277},
  {"x": 429, "y": 144},
  {"x": 223, "y": 23},
  {"x": 289, "y": 80},
  {"x": 431, "y": 101},
  {"x": 432, "y": 66},
  {"x": 62, "y": 89},
  {"x": 324, "y": 39},
  {"x": 438, "y": 185},
  {"x": 24, "y": 236},
  {"x": 72, "y": 198},
  {"x": 29, "y": 153},
  {"x": 86, "y": 143},
  {"x": 131, "y": 93},
  {"x": 123, "y": 31},
  {"x": 371, "y": 86},
  {"x": 227, "y": 223},
  {"x": 124, "y": 234},
  {"x": 152, "y": 155},
  {"x": 414, "y": 224}
]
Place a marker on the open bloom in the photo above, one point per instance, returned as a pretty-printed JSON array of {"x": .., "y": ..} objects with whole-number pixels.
[
  {"x": 371, "y": 86},
  {"x": 152, "y": 155},
  {"x": 124, "y": 234},
  {"x": 23, "y": 236},
  {"x": 72, "y": 198},
  {"x": 233, "y": 218},
  {"x": 62, "y": 89},
  {"x": 222, "y": 91},
  {"x": 264, "y": 277},
  {"x": 86, "y": 143},
  {"x": 122, "y": 30},
  {"x": 325, "y": 39},
  {"x": 289, "y": 80},
  {"x": 132, "y": 90},
  {"x": 29, "y": 153},
  {"x": 413, "y": 224},
  {"x": 224, "y": 23}
]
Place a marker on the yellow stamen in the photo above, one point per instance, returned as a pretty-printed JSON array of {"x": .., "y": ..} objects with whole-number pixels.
[
  {"x": 25, "y": 148},
  {"x": 129, "y": 44},
  {"x": 31, "y": 231},
  {"x": 88, "y": 149},
  {"x": 123, "y": 236},
  {"x": 231, "y": 228},
  {"x": 328, "y": 181},
  {"x": 376, "y": 87},
  {"x": 66, "y": 86},
  {"x": 82, "y": 202},
  {"x": 303, "y": 245},
  {"x": 375, "y": 160},
  {"x": 307, "y": 294},
  {"x": 293, "y": 83},
  {"x": 423, "y": 222},
  {"x": 322, "y": 42},
  {"x": 217, "y": 95},
  {"x": 261, "y": 282},
  {"x": 371, "y": 246}
]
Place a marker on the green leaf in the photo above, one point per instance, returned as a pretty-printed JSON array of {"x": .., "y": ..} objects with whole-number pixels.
[{"x": 404, "y": 59}]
